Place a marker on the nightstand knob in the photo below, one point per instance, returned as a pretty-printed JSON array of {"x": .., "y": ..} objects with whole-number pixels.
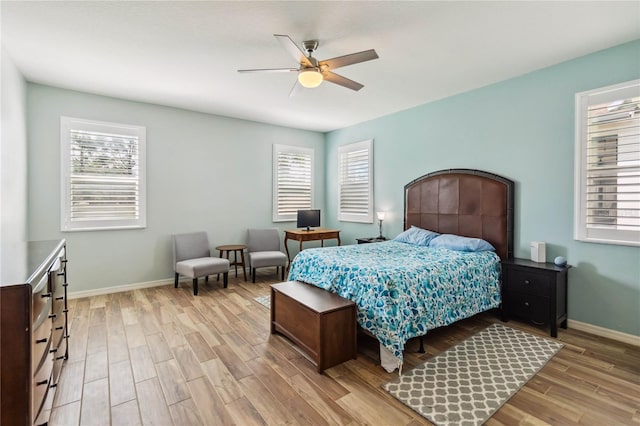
[{"x": 527, "y": 282}]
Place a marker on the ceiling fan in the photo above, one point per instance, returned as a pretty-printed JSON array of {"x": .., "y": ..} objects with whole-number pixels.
[{"x": 312, "y": 72}]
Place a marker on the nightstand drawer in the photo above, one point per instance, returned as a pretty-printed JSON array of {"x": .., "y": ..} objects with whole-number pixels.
[
  {"x": 534, "y": 309},
  {"x": 528, "y": 282}
]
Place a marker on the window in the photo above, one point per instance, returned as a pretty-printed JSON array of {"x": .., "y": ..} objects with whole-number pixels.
[
  {"x": 292, "y": 181},
  {"x": 607, "y": 165},
  {"x": 103, "y": 175},
  {"x": 355, "y": 168}
]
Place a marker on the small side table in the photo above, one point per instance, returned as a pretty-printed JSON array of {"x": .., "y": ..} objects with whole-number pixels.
[
  {"x": 370, "y": 240},
  {"x": 535, "y": 292},
  {"x": 235, "y": 248}
]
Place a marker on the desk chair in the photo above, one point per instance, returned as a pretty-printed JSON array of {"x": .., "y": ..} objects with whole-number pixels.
[
  {"x": 192, "y": 258},
  {"x": 263, "y": 247}
]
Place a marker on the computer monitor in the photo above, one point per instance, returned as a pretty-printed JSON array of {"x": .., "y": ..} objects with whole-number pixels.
[{"x": 308, "y": 219}]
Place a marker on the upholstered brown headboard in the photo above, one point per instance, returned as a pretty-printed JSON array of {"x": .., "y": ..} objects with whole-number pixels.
[{"x": 471, "y": 203}]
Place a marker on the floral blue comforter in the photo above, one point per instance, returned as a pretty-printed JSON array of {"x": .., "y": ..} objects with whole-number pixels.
[{"x": 403, "y": 290}]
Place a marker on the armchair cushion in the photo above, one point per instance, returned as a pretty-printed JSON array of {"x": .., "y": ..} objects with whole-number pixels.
[
  {"x": 202, "y": 266},
  {"x": 267, "y": 258}
]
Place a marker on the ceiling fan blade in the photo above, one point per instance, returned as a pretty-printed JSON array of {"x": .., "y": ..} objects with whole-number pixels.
[
  {"x": 342, "y": 81},
  {"x": 293, "y": 49},
  {"x": 270, "y": 70},
  {"x": 295, "y": 89},
  {"x": 354, "y": 58}
]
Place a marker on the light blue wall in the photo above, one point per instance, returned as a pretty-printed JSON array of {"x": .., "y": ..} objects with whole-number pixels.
[
  {"x": 204, "y": 172},
  {"x": 214, "y": 173},
  {"x": 13, "y": 166},
  {"x": 523, "y": 129}
]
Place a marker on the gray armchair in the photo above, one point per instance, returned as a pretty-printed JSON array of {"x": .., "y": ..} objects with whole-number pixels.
[
  {"x": 263, "y": 247},
  {"x": 192, "y": 258}
]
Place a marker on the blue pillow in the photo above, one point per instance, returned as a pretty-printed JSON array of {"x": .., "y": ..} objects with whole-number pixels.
[
  {"x": 456, "y": 242},
  {"x": 415, "y": 235}
]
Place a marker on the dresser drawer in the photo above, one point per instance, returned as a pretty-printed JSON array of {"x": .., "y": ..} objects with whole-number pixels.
[
  {"x": 58, "y": 359},
  {"x": 41, "y": 300},
  {"x": 56, "y": 275},
  {"x": 528, "y": 282},
  {"x": 57, "y": 333},
  {"x": 40, "y": 344},
  {"x": 41, "y": 381}
]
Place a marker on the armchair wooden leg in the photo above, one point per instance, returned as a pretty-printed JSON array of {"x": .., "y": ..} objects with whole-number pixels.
[
  {"x": 282, "y": 273},
  {"x": 175, "y": 281},
  {"x": 253, "y": 275},
  {"x": 225, "y": 279},
  {"x": 195, "y": 286},
  {"x": 206, "y": 278}
]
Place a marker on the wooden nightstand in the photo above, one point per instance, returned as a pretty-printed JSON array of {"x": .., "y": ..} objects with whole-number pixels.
[
  {"x": 370, "y": 240},
  {"x": 535, "y": 292}
]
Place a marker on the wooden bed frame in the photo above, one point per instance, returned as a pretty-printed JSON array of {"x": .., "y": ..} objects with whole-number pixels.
[
  {"x": 466, "y": 202},
  {"x": 470, "y": 203}
]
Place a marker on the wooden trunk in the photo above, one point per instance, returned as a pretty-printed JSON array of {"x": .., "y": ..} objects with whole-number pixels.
[{"x": 321, "y": 323}]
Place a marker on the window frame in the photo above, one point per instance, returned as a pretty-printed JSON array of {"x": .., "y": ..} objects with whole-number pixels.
[
  {"x": 583, "y": 101},
  {"x": 67, "y": 124},
  {"x": 345, "y": 149},
  {"x": 290, "y": 149}
]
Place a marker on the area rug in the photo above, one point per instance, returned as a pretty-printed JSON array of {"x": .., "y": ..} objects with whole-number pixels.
[
  {"x": 264, "y": 301},
  {"x": 468, "y": 382}
]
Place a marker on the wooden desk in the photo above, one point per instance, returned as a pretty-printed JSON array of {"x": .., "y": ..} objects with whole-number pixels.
[{"x": 318, "y": 234}]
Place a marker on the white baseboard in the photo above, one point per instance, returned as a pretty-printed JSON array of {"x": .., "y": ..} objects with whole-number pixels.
[
  {"x": 118, "y": 289},
  {"x": 604, "y": 332}
]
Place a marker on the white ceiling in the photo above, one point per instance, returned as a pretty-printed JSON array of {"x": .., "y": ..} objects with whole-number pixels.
[{"x": 185, "y": 54}]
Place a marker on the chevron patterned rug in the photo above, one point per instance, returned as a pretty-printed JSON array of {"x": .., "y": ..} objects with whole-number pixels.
[
  {"x": 264, "y": 301},
  {"x": 467, "y": 383}
]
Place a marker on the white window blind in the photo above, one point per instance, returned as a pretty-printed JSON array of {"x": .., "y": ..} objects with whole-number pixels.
[
  {"x": 608, "y": 165},
  {"x": 292, "y": 181},
  {"x": 103, "y": 175},
  {"x": 355, "y": 164}
]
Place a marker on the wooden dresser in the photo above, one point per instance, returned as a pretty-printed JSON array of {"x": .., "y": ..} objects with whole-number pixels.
[{"x": 33, "y": 330}]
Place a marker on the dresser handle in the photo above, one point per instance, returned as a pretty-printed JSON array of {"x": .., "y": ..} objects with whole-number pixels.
[
  {"x": 60, "y": 298},
  {"x": 65, "y": 284},
  {"x": 60, "y": 357},
  {"x": 60, "y": 274},
  {"x": 53, "y": 351},
  {"x": 60, "y": 327},
  {"x": 45, "y": 295},
  {"x": 53, "y": 385},
  {"x": 43, "y": 340},
  {"x": 53, "y": 315},
  {"x": 42, "y": 382}
]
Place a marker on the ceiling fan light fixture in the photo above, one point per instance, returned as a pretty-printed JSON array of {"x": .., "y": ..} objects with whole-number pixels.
[{"x": 310, "y": 78}]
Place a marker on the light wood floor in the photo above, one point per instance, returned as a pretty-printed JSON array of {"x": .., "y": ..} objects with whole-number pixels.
[{"x": 163, "y": 356}]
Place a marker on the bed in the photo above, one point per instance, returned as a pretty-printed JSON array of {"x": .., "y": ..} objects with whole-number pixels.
[{"x": 404, "y": 290}]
